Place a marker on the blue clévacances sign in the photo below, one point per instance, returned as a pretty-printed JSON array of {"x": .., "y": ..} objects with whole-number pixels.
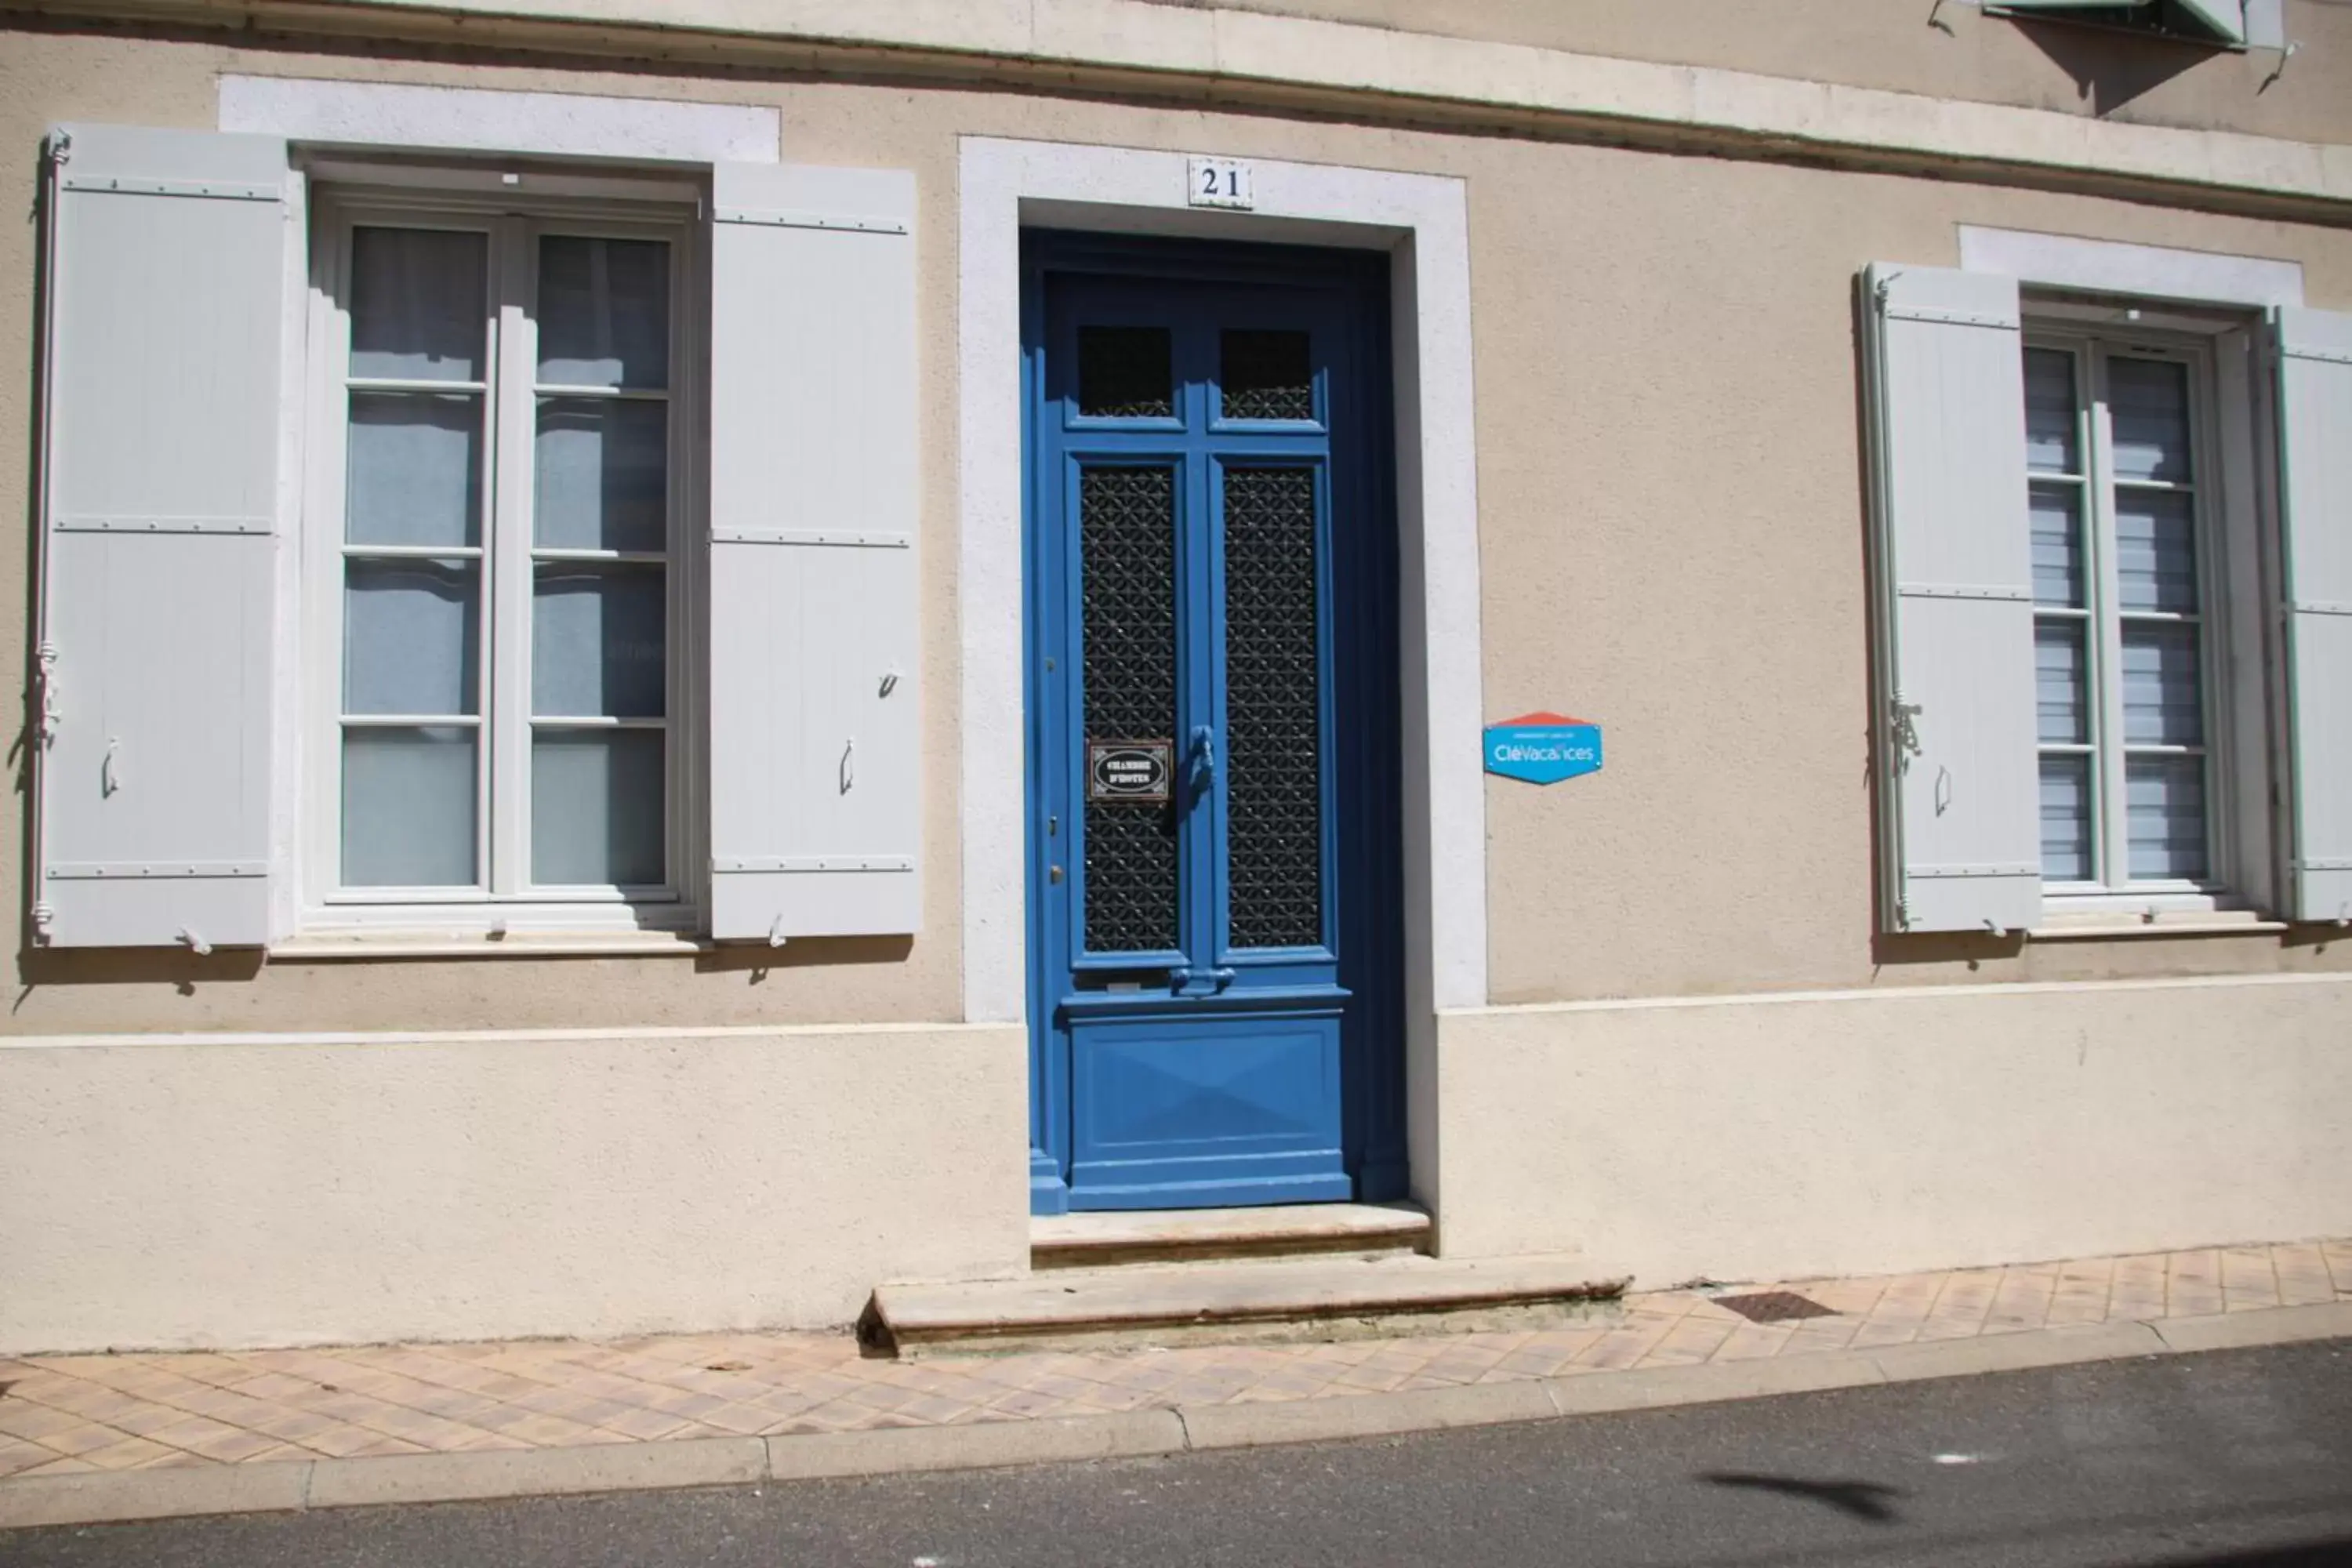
[{"x": 1543, "y": 748}]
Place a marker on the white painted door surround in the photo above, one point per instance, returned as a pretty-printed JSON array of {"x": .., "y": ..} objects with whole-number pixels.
[{"x": 1420, "y": 220}]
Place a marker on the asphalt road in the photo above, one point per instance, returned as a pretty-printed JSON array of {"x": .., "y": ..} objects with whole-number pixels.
[{"x": 2240, "y": 1459}]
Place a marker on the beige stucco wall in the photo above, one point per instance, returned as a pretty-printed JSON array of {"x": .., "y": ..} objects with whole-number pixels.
[
  {"x": 294, "y": 1190},
  {"x": 1859, "y": 1134},
  {"x": 1963, "y": 54},
  {"x": 1671, "y": 536}
]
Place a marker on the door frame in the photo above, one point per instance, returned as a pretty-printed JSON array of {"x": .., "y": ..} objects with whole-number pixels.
[
  {"x": 1421, "y": 221},
  {"x": 1363, "y": 923}
]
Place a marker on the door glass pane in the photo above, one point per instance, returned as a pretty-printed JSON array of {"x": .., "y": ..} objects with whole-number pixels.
[
  {"x": 1126, "y": 586},
  {"x": 417, "y": 303},
  {"x": 2061, "y": 705},
  {"x": 2051, "y": 433},
  {"x": 2148, "y": 404},
  {"x": 412, "y": 636},
  {"x": 1124, "y": 373},
  {"x": 2056, "y": 512},
  {"x": 2156, "y": 550},
  {"x": 598, "y": 642},
  {"x": 413, "y": 469},
  {"x": 604, "y": 311},
  {"x": 2163, "y": 704},
  {"x": 2066, "y": 819},
  {"x": 1266, "y": 375},
  {"x": 597, "y": 807},
  {"x": 602, "y": 474},
  {"x": 408, "y": 807},
  {"x": 1273, "y": 779},
  {"x": 2165, "y": 798}
]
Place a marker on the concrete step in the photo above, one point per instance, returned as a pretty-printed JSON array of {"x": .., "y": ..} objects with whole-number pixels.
[
  {"x": 1183, "y": 1236},
  {"x": 1212, "y": 1302}
]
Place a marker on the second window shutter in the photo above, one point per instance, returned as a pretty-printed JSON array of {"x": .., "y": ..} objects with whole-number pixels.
[
  {"x": 2315, "y": 392},
  {"x": 162, "y": 360},
  {"x": 1954, "y": 732},
  {"x": 815, "y": 782}
]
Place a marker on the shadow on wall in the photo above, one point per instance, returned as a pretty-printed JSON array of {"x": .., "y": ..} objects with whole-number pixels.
[
  {"x": 2111, "y": 67},
  {"x": 184, "y": 969}
]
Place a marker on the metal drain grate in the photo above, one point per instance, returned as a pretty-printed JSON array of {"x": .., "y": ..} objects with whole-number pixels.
[{"x": 1774, "y": 1307}]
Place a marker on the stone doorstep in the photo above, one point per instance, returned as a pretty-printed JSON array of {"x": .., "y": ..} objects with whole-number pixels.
[
  {"x": 1198, "y": 1297},
  {"x": 439, "y": 1478},
  {"x": 1168, "y": 1235}
]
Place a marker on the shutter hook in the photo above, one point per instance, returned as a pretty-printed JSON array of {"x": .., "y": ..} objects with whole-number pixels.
[
  {"x": 196, "y": 943},
  {"x": 849, "y": 765},
  {"x": 110, "y": 775},
  {"x": 776, "y": 932},
  {"x": 889, "y": 681},
  {"x": 1943, "y": 790}
]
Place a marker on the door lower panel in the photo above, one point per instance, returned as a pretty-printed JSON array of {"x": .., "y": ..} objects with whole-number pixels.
[{"x": 1187, "y": 1110}]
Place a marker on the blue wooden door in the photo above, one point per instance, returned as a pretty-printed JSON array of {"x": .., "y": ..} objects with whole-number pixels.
[{"x": 1212, "y": 662}]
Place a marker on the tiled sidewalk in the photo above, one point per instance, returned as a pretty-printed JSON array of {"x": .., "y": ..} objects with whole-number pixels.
[{"x": 83, "y": 1414}]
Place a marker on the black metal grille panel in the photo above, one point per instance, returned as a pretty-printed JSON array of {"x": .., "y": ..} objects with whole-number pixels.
[
  {"x": 1274, "y": 796},
  {"x": 1266, "y": 375},
  {"x": 1124, "y": 374},
  {"x": 1126, "y": 537}
]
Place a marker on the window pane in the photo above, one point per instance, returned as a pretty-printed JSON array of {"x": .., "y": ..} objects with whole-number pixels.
[
  {"x": 408, "y": 807},
  {"x": 597, "y": 807},
  {"x": 2155, "y": 549},
  {"x": 417, "y": 303},
  {"x": 410, "y": 636},
  {"x": 2057, "y": 543},
  {"x": 2052, "y": 441},
  {"x": 2167, "y": 805},
  {"x": 603, "y": 474},
  {"x": 2148, "y": 401},
  {"x": 1124, "y": 373},
  {"x": 2163, "y": 704},
  {"x": 2066, "y": 819},
  {"x": 2062, "y": 706},
  {"x": 604, "y": 311},
  {"x": 1265, "y": 376},
  {"x": 414, "y": 468},
  {"x": 597, "y": 641}
]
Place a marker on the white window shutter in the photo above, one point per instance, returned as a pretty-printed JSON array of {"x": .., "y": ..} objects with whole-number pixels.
[
  {"x": 1961, "y": 848},
  {"x": 815, "y": 786},
  {"x": 2226, "y": 19},
  {"x": 162, "y": 366},
  {"x": 2315, "y": 372}
]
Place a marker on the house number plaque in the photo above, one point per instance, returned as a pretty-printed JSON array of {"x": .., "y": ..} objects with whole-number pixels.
[
  {"x": 1132, "y": 770},
  {"x": 1221, "y": 183}
]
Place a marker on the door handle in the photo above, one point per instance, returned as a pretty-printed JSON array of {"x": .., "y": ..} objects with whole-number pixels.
[
  {"x": 1191, "y": 980},
  {"x": 1204, "y": 754}
]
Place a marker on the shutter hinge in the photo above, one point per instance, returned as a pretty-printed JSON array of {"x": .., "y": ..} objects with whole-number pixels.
[
  {"x": 1903, "y": 732},
  {"x": 61, "y": 147},
  {"x": 45, "y": 915},
  {"x": 44, "y": 680}
]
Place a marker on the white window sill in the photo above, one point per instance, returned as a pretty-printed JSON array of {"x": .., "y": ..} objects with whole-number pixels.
[
  {"x": 391, "y": 943},
  {"x": 2108, "y": 920}
]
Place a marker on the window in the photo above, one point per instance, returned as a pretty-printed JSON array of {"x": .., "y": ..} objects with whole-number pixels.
[
  {"x": 2124, "y": 606},
  {"x": 499, "y": 574}
]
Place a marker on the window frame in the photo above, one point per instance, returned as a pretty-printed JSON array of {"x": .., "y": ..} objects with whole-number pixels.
[
  {"x": 2235, "y": 562},
  {"x": 503, "y": 898}
]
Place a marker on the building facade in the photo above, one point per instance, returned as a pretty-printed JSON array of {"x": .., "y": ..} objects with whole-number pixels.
[{"x": 683, "y": 657}]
